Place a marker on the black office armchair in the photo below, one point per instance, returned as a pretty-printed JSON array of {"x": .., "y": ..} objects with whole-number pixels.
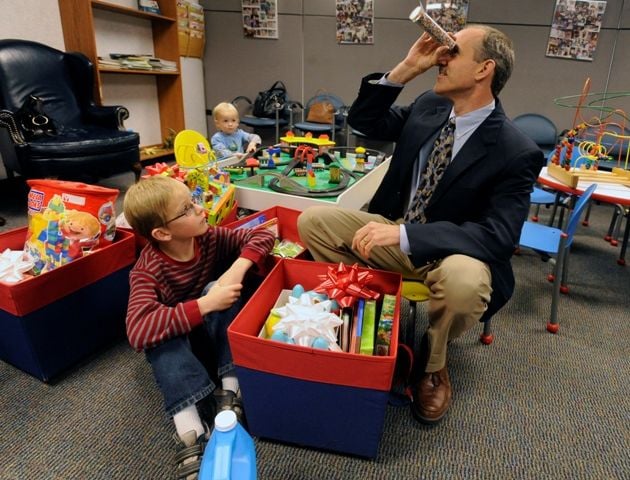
[{"x": 78, "y": 139}]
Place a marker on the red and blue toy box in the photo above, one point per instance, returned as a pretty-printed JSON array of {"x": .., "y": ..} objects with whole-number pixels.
[
  {"x": 52, "y": 321},
  {"x": 286, "y": 226},
  {"x": 318, "y": 398}
]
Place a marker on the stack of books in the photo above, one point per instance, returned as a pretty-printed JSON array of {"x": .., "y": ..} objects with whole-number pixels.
[{"x": 136, "y": 62}]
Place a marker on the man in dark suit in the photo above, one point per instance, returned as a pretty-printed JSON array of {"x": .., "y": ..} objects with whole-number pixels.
[{"x": 450, "y": 209}]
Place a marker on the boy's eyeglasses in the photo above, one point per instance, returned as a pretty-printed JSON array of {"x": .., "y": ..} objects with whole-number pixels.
[{"x": 187, "y": 212}]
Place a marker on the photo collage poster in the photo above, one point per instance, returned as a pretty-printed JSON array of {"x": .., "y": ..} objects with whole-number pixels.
[
  {"x": 575, "y": 29},
  {"x": 355, "y": 21},
  {"x": 451, "y": 16},
  {"x": 260, "y": 18}
]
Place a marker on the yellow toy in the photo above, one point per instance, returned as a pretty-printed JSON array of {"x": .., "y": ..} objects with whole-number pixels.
[{"x": 192, "y": 150}]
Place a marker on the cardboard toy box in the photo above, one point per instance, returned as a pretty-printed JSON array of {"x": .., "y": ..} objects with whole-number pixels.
[
  {"x": 318, "y": 398},
  {"x": 52, "y": 321},
  {"x": 286, "y": 227}
]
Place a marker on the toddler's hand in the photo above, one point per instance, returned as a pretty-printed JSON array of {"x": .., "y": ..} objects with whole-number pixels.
[
  {"x": 251, "y": 147},
  {"x": 219, "y": 297}
]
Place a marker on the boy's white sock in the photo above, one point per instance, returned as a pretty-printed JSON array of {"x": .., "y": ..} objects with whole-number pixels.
[
  {"x": 230, "y": 382},
  {"x": 188, "y": 419}
]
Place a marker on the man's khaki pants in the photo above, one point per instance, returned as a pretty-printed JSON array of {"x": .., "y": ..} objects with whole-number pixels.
[{"x": 459, "y": 285}]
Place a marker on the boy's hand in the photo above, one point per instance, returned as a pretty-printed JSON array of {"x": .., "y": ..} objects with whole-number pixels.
[
  {"x": 219, "y": 297},
  {"x": 236, "y": 272}
]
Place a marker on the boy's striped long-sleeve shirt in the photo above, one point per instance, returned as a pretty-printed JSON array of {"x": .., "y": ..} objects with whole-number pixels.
[{"x": 164, "y": 292}]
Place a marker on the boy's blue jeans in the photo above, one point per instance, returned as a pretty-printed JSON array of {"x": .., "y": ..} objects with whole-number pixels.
[{"x": 180, "y": 375}]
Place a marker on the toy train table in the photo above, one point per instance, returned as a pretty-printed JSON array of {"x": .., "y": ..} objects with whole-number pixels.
[{"x": 302, "y": 171}]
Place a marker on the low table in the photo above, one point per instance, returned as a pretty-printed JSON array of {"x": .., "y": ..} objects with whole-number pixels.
[{"x": 355, "y": 196}]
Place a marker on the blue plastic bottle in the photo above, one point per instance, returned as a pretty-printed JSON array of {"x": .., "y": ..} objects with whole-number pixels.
[{"x": 230, "y": 453}]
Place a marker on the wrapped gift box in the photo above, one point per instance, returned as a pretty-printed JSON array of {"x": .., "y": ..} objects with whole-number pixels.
[
  {"x": 52, "y": 321},
  {"x": 317, "y": 398}
]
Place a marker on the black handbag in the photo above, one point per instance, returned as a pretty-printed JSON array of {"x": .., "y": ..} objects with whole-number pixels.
[
  {"x": 33, "y": 121},
  {"x": 267, "y": 100}
]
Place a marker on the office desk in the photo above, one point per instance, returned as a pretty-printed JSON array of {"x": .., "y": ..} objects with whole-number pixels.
[
  {"x": 613, "y": 193},
  {"x": 355, "y": 196}
]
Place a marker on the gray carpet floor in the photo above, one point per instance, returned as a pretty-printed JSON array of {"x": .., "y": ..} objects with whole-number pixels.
[{"x": 530, "y": 406}]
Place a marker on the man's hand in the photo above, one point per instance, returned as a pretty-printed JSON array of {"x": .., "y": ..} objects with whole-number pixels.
[
  {"x": 423, "y": 54},
  {"x": 375, "y": 234},
  {"x": 219, "y": 297}
]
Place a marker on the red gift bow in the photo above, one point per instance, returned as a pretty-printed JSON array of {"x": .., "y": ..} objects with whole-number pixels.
[{"x": 346, "y": 285}]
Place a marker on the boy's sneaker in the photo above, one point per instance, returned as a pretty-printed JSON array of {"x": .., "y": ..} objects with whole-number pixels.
[
  {"x": 188, "y": 457},
  {"x": 228, "y": 400}
]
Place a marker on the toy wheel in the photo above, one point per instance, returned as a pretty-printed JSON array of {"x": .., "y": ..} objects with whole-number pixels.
[
  {"x": 585, "y": 223},
  {"x": 552, "y": 327},
  {"x": 551, "y": 277},
  {"x": 621, "y": 261},
  {"x": 614, "y": 242},
  {"x": 486, "y": 339},
  {"x": 607, "y": 238},
  {"x": 534, "y": 218},
  {"x": 564, "y": 289}
]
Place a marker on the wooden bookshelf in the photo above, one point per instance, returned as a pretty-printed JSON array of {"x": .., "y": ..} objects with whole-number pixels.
[
  {"x": 77, "y": 21},
  {"x": 155, "y": 153}
]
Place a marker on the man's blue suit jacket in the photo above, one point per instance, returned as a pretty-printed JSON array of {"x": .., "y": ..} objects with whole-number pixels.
[{"x": 481, "y": 202}]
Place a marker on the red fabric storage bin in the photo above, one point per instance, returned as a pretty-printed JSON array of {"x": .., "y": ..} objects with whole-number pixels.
[
  {"x": 287, "y": 227},
  {"x": 52, "y": 321},
  {"x": 323, "y": 399}
]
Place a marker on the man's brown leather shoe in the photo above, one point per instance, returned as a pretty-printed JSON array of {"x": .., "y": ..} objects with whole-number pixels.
[{"x": 432, "y": 397}]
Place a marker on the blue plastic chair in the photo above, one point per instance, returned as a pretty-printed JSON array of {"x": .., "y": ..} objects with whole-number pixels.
[
  {"x": 339, "y": 120},
  {"x": 553, "y": 241},
  {"x": 544, "y": 132},
  {"x": 540, "y": 196},
  {"x": 539, "y": 128}
]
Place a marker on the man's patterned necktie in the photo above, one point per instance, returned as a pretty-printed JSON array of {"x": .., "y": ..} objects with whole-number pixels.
[{"x": 438, "y": 160}]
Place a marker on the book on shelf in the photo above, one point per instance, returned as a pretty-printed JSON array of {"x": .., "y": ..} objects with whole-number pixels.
[
  {"x": 137, "y": 62},
  {"x": 149, "y": 6}
]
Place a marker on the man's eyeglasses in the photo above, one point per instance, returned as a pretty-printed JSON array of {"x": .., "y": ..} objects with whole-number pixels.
[{"x": 187, "y": 212}]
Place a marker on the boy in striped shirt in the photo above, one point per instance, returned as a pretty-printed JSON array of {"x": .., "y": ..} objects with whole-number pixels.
[{"x": 172, "y": 298}]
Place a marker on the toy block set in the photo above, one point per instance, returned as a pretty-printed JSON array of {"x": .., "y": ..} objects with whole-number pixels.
[
  {"x": 307, "y": 390},
  {"x": 63, "y": 279}
]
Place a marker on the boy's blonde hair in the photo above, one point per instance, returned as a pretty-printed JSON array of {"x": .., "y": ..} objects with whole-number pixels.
[
  {"x": 146, "y": 203},
  {"x": 224, "y": 108}
]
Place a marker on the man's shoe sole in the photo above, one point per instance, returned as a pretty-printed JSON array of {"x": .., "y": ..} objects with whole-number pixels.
[{"x": 425, "y": 420}]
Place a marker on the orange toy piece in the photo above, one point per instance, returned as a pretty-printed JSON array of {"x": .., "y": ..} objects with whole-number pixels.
[{"x": 252, "y": 162}]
